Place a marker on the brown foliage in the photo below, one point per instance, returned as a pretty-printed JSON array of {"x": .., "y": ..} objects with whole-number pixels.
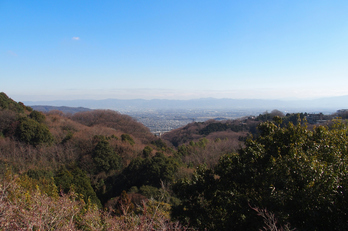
[
  {"x": 74, "y": 142},
  {"x": 191, "y": 132},
  {"x": 7, "y": 117},
  {"x": 21, "y": 209},
  {"x": 115, "y": 120},
  {"x": 136, "y": 198},
  {"x": 211, "y": 153},
  {"x": 185, "y": 134}
]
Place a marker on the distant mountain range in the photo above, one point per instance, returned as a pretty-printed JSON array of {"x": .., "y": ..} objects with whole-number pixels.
[{"x": 323, "y": 104}]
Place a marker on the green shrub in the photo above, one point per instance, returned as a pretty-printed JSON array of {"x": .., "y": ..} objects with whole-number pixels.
[
  {"x": 105, "y": 157},
  {"x": 32, "y": 132},
  {"x": 159, "y": 143},
  {"x": 299, "y": 175},
  {"x": 8, "y": 103},
  {"x": 37, "y": 116},
  {"x": 127, "y": 138},
  {"x": 76, "y": 180},
  {"x": 147, "y": 151}
]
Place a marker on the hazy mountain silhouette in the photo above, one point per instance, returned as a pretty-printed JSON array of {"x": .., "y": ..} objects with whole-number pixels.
[
  {"x": 64, "y": 109},
  {"x": 326, "y": 104}
]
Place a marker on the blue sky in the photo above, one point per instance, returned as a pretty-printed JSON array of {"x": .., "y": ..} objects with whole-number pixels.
[{"x": 129, "y": 49}]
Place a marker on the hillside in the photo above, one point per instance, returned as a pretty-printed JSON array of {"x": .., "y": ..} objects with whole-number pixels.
[
  {"x": 103, "y": 169},
  {"x": 100, "y": 143}
]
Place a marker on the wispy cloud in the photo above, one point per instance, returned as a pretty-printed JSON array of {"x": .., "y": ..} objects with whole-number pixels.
[
  {"x": 12, "y": 53},
  {"x": 75, "y": 38}
]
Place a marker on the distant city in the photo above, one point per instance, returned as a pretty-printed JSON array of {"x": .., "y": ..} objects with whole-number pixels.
[
  {"x": 161, "y": 121},
  {"x": 161, "y": 116}
]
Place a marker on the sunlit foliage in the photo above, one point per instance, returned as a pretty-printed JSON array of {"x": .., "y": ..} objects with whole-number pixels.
[{"x": 299, "y": 175}]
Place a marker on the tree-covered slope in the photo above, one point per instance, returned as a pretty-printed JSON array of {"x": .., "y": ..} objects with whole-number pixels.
[
  {"x": 297, "y": 175},
  {"x": 8, "y": 103},
  {"x": 83, "y": 152},
  {"x": 218, "y": 175}
]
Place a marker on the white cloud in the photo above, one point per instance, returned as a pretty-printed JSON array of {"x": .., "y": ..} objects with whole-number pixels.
[{"x": 75, "y": 38}]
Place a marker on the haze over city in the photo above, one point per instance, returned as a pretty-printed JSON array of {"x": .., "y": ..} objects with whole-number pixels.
[{"x": 59, "y": 50}]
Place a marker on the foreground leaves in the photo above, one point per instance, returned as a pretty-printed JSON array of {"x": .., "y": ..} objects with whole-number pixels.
[{"x": 299, "y": 175}]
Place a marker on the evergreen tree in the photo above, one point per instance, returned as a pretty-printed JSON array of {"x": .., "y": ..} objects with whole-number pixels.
[{"x": 105, "y": 157}]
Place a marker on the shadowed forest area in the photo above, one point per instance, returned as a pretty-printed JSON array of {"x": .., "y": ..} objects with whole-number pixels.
[{"x": 102, "y": 170}]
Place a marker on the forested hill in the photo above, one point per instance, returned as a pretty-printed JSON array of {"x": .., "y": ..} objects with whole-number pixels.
[
  {"x": 94, "y": 159},
  {"x": 87, "y": 143},
  {"x": 7, "y": 103},
  {"x": 101, "y": 170},
  {"x": 239, "y": 129}
]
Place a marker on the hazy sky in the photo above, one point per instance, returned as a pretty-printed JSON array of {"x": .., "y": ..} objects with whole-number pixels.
[{"x": 173, "y": 49}]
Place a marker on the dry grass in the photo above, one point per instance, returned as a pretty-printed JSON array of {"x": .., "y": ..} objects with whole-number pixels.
[{"x": 21, "y": 209}]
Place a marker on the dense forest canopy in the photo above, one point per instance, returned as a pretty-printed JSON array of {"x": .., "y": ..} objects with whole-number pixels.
[
  {"x": 106, "y": 170},
  {"x": 300, "y": 175}
]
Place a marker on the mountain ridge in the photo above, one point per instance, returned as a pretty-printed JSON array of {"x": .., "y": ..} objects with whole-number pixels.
[{"x": 326, "y": 103}]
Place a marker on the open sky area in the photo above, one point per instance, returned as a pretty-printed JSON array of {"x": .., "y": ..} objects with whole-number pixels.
[{"x": 182, "y": 49}]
